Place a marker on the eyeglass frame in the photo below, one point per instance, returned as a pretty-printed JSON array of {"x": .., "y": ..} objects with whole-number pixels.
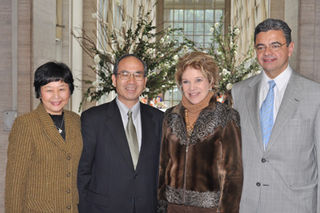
[
  {"x": 274, "y": 46},
  {"x": 135, "y": 75}
]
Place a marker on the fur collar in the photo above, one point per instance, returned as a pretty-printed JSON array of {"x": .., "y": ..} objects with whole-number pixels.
[{"x": 210, "y": 118}]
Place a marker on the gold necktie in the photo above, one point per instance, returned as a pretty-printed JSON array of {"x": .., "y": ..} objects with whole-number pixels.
[{"x": 132, "y": 140}]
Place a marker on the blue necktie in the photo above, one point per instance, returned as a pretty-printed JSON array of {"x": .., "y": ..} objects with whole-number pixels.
[{"x": 266, "y": 114}]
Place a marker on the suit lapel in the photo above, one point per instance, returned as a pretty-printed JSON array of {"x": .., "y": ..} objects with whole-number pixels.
[
  {"x": 146, "y": 128},
  {"x": 288, "y": 106},
  {"x": 50, "y": 129},
  {"x": 115, "y": 125},
  {"x": 253, "y": 107}
]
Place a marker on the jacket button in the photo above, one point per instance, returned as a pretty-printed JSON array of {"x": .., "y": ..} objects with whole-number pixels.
[
  {"x": 68, "y": 191},
  {"x": 68, "y": 174},
  {"x": 69, "y": 207},
  {"x": 258, "y": 184},
  {"x": 263, "y": 160},
  {"x": 69, "y": 157}
]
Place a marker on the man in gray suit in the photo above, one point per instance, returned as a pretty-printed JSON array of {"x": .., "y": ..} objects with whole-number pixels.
[{"x": 280, "y": 125}]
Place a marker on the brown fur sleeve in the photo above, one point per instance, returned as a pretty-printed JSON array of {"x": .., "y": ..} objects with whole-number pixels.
[{"x": 231, "y": 174}]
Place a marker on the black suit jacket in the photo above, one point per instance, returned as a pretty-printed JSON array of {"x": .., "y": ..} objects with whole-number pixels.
[{"x": 107, "y": 180}]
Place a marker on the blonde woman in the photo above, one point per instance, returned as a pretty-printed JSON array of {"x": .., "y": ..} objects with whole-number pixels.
[{"x": 200, "y": 160}]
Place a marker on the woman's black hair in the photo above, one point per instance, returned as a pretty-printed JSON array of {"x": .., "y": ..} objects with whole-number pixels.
[{"x": 50, "y": 72}]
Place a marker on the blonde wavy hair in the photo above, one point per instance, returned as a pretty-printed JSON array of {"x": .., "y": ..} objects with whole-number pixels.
[{"x": 200, "y": 61}]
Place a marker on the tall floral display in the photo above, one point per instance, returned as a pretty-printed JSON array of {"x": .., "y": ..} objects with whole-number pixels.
[
  {"x": 232, "y": 67},
  {"x": 159, "y": 50}
]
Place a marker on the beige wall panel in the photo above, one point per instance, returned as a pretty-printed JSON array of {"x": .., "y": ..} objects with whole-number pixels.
[
  {"x": 6, "y": 88},
  {"x": 66, "y": 34},
  {"x": 309, "y": 39},
  {"x": 277, "y": 9},
  {"x": 43, "y": 34},
  {"x": 89, "y": 25},
  {"x": 24, "y": 56},
  {"x": 5, "y": 54},
  {"x": 3, "y": 160},
  {"x": 316, "y": 66}
]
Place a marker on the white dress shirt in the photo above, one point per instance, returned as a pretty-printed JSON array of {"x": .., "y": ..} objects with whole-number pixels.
[
  {"x": 136, "y": 116},
  {"x": 281, "y": 85}
]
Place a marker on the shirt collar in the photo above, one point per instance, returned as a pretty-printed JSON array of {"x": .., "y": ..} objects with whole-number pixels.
[
  {"x": 281, "y": 80},
  {"x": 124, "y": 109}
]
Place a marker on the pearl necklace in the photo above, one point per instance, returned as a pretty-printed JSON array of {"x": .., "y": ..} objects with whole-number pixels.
[{"x": 188, "y": 125}]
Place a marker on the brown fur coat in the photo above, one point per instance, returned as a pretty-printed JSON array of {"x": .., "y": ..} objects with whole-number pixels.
[{"x": 204, "y": 170}]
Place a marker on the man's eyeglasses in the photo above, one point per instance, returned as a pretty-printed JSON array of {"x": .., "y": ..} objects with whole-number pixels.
[
  {"x": 125, "y": 75},
  {"x": 275, "y": 46}
]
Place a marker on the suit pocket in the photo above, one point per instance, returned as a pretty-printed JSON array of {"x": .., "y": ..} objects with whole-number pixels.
[
  {"x": 99, "y": 199},
  {"x": 303, "y": 187}
]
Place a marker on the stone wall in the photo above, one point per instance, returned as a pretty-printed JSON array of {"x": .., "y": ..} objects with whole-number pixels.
[{"x": 309, "y": 39}]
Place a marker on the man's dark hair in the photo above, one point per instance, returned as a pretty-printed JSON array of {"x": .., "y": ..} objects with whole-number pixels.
[
  {"x": 51, "y": 72},
  {"x": 274, "y": 24},
  {"x": 116, "y": 65}
]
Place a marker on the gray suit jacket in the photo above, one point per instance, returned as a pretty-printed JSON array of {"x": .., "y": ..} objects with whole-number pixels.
[{"x": 284, "y": 177}]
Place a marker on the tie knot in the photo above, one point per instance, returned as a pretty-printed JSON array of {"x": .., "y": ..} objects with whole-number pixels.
[
  {"x": 129, "y": 114},
  {"x": 272, "y": 84}
]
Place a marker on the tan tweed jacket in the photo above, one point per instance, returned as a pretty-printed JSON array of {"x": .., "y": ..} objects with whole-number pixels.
[{"x": 42, "y": 168}]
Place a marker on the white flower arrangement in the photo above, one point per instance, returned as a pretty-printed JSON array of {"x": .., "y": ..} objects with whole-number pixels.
[
  {"x": 158, "y": 49},
  {"x": 232, "y": 67}
]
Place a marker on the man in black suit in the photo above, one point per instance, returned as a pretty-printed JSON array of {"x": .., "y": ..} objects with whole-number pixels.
[{"x": 118, "y": 168}]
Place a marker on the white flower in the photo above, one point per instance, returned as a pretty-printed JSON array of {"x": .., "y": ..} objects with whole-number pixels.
[
  {"x": 97, "y": 59},
  {"x": 118, "y": 2},
  {"x": 219, "y": 52},
  {"x": 94, "y": 15},
  {"x": 216, "y": 25},
  {"x": 156, "y": 71},
  {"x": 176, "y": 57},
  {"x": 95, "y": 83},
  {"x": 120, "y": 40},
  {"x": 229, "y": 86},
  {"x": 247, "y": 76},
  {"x": 146, "y": 89},
  {"x": 164, "y": 75},
  {"x": 211, "y": 29},
  {"x": 124, "y": 24},
  {"x": 225, "y": 72},
  {"x": 145, "y": 38},
  {"x": 231, "y": 44},
  {"x": 235, "y": 52},
  {"x": 247, "y": 64},
  {"x": 237, "y": 31},
  {"x": 97, "y": 67}
]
